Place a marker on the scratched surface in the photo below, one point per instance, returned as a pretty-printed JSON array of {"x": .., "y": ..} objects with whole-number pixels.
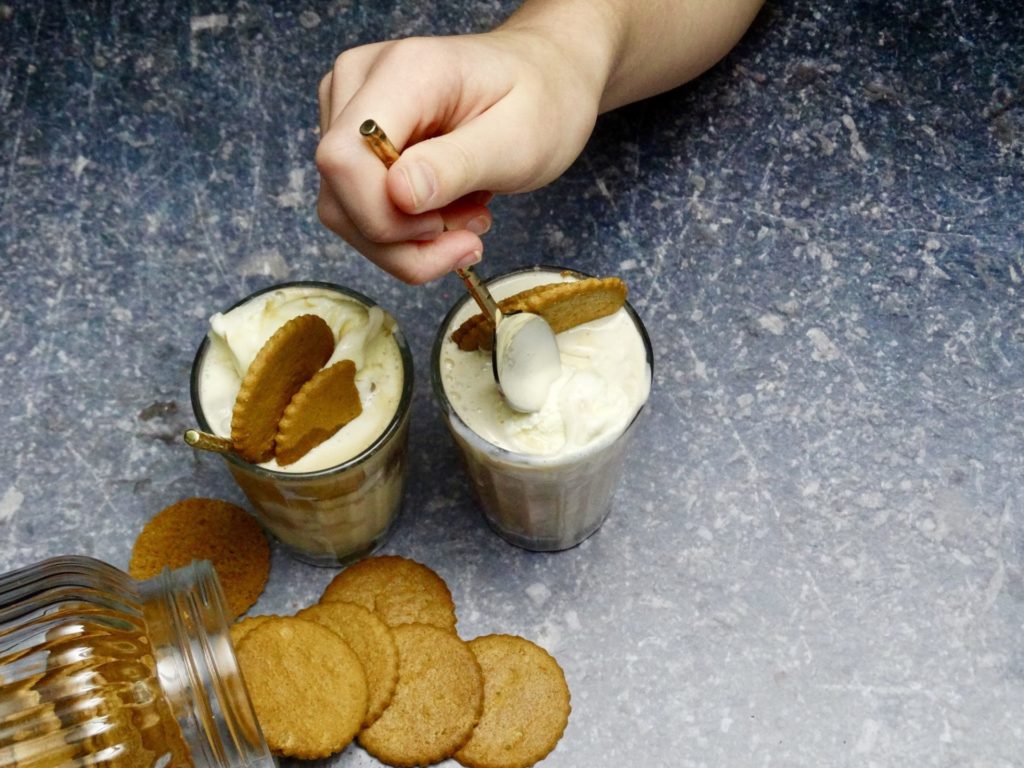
[{"x": 816, "y": 556}]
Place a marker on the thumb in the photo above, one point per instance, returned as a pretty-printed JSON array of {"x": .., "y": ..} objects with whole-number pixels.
[{"x": 494, "y": 151}]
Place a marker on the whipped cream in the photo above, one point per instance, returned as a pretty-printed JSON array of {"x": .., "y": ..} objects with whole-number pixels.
[
  {"x": 362, "y": 334},
  {"x": 604, "y": 381}
]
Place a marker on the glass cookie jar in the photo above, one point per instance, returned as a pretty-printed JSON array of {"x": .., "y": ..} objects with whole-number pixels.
[{"x": 99, "y": 670}]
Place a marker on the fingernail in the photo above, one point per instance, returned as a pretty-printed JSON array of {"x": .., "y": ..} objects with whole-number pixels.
[
  {"x": 479, "y": 225},
  {"x": 422, "y": 183},
  {"x": 469, "y": 260}
]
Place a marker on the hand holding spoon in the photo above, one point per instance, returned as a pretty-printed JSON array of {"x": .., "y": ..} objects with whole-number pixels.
[{"x": 525, "y": 361}]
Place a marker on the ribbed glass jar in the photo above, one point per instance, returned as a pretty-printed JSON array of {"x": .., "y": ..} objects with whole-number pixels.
[{"x": 99, "y": 670}]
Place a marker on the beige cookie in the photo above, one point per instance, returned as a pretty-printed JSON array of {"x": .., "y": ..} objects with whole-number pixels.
[
  {"x": 563, "y": 305},
  {"x": 207, "y": 529},
  {"x": 398, "y": 590},
  {"x": 526, "y": 704},
  {"x": 289, "y": 358},
  {"x": 324, "y": 404},
  {"x": 436, "y": 704},
  {"x": 243, "y": 627},
  {"x": 372, "y": 642},
  {"x": 307, "y": 687}
]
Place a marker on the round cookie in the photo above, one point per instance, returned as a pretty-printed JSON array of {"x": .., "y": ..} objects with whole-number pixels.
[
  {"x": 324, "y": 404},
  {"x": 289, "y": 358},
  {"x": 526, "y": 704},
  {"x": 398, "y": 590},
  {"x": 243, "y": 627},
  {"x": 372, "y": 642},
  {"x": 307, "y": 687},
  {"x": 207, "y": 529},
  {"x": 436, "y": 704}
]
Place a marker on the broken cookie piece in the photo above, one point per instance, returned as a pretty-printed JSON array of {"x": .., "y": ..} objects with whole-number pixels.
[{"x": 324, "y": 404}]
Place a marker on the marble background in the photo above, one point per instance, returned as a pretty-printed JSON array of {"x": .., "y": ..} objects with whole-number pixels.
[{"x": 816, "y": 556}]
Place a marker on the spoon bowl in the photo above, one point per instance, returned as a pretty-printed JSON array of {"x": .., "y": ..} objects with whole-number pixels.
[{"x": 525, "y": 360}]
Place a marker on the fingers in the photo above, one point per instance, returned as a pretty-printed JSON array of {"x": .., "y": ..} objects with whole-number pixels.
[
  {"x": 476, "y": 155},
  {"x": 323, "y": 98},
  {"x": 412, "y": 262},
  {"x": 418, "y": 88},
  {"x": 349, "y": 74},
  {"x": 468, "y": 213},
  {"x": 376, "y": 82},
  {"x": 410, "y": 94},
  {"x": 355, "y": 178}
]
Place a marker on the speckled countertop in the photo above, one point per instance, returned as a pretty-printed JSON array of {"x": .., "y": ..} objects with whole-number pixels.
[{"x": 815, "y": 558}]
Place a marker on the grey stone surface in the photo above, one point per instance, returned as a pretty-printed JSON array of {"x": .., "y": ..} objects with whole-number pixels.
[{"x": 815, "y": 558}]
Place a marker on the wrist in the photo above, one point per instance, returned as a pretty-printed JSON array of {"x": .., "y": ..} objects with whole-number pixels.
[{"x": 584, "y": 41}]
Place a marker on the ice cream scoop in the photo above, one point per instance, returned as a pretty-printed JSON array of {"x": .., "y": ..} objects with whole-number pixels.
[{"x": 525, "y": 357}]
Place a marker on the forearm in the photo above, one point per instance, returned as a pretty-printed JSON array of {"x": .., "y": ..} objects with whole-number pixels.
[{"x": 634, "y": 49}]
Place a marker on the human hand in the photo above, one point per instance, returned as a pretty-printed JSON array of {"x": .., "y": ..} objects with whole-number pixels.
[{"x": 502, "y": 112}]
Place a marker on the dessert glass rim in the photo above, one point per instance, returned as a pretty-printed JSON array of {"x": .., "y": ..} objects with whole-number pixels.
[
  {"x": 439, "y": 339},
  {"x": 381, "y": 440}
]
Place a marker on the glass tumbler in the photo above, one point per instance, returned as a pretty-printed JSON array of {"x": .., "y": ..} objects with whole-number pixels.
[
  {"x": 99, "y": 670},
  {"x": 540, "y": 503},
  {"x": 336, "y": 515}
]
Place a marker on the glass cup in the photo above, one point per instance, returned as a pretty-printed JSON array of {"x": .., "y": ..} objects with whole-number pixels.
[
  {"x": 540, "y": 503},
  {"x": 336, "y": 515}
]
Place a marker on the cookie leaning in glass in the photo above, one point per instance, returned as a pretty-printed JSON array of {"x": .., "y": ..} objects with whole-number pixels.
[{"x": 305, "y": 389}]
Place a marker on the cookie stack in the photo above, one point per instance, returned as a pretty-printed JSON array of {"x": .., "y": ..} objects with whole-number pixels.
[
  {"x": 378, "y": 660},
  {"x": 288, "y": 403}
]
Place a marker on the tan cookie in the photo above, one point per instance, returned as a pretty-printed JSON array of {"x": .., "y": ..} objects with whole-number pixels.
[
  {"x": 307, "y": 687},
  {"x": 372, "y": 642},
  {"x": 243, "y": 627},
  {"x": 398, "y": 590},
  {"x": 526, "y": 704},
  {"x": 207, "y": 529},
  {"x": 563, "y": 305},
  {"x": 324, "y": 404},
  {"x": 289, "y": 358},
  {"x": 438, "y": 700}
]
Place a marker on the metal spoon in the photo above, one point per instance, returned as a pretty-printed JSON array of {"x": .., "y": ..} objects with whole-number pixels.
[
  {"x": 208, "y": 442},
  {"x": 525, "y": 358}
]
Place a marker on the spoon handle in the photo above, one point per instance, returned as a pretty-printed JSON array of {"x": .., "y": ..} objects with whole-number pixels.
[
  {"x": 207, "y": 442},
  {"x": 480, "y": 293},
  {"x": 385, "y": 150},
  {"x": 379, "y": 142}
]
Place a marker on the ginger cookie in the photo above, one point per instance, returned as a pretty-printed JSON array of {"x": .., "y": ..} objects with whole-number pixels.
[
  {"x": 290, "y": 358},
  {"x": 398, "y": 590},
  {"x": 526, "y": 704},
  {"x": 322, "y": 406},
  {"x": 207, "y": 529},
  {"x": 372, "y": 642},
  {"x": 307, "y": 687},
  {"x": 243, "y": 627},
  {"x": 563, "y": 305},
  {"x": 436, "y": 704}
]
